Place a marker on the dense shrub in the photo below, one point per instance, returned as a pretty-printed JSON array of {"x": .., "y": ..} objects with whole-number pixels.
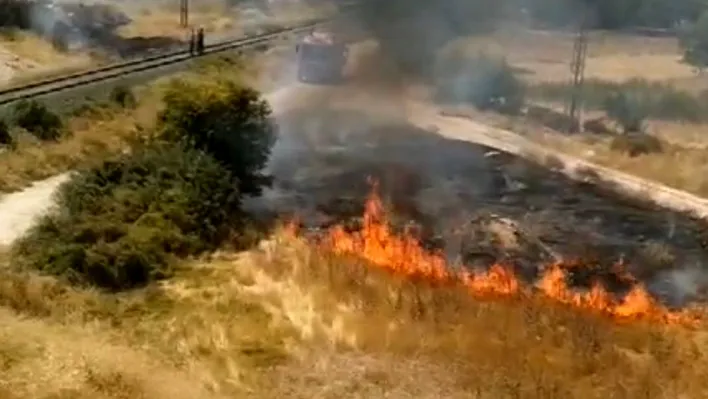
[
  {"x": 486, "y": 82},
  {"x": 5, "y": 136},
  {"x": 121, "y": 224},
  {"x": 15, "y": 14},
  {"x": 123, "y": 97},
  {"x": 636, "y": 144},
  {"x": 225, "y": 119},
  {"x": 693, "y": 39},
  {"x": 37, "y": 119}
]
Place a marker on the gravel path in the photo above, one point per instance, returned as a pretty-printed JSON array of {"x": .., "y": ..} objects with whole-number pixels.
[{"x": 19, "y": 210}]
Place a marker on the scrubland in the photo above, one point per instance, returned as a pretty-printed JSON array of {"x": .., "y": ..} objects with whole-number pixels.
[{"x": 650, "y": 68}]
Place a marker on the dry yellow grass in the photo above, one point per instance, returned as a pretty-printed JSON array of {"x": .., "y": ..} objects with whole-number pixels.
[
  {"x": 198, "y": 336},
  {"x": 109, "y": 131},
  {"x": 214, "y": 17},
  {"x": 152, "y": 22},
  {"x": 680, "y": 167},
  {"x": 29, "y": 56},
  {"x": 92, "y": 139},
  {"x": 545, "y": 56},
  {"x": 284, "y": 320}
]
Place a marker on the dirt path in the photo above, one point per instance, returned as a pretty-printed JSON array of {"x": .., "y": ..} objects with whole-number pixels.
[{"x": 19, "y": 210}]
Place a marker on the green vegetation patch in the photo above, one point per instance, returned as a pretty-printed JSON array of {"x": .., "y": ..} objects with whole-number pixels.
[{"x": 125, "y": 222}]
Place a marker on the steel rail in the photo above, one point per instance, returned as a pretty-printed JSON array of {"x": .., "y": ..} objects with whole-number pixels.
[{"x": 77, "y": 79}]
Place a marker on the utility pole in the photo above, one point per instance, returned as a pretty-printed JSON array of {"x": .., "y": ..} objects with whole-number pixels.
[
  {"x": 184, "y": 13},
  {"x": 577, "y": 69}
]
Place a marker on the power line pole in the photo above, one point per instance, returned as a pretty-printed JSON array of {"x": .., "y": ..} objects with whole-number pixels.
[
  {"x": 184, "y": 13},
  {"x": 577, "y": 68}
]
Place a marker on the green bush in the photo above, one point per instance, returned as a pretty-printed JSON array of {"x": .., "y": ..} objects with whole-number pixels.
[
  {"x": 636, "y": 144},
  {"x": 694, "y": 42},
  {"x": 628, "y": 110},
  {"x": 5, "y": 136},
  {"x": 123, "y": 97},
  {"x": 661, "y": 100},
  {"x": 120, "y": 225},
  {"x": 37, "y": 119},
  {"x": 486, "y": 82},
  {"x": 229, "y": 121}
]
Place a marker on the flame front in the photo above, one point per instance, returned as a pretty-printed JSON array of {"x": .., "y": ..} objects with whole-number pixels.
[{"x": 404, "y": 255}]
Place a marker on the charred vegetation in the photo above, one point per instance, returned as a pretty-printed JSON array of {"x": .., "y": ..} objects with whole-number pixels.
[
  {"x": 476, "y": 206},
  {"x": 71, "y": 26}
]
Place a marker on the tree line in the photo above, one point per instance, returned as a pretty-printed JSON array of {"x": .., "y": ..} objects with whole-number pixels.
[{"x": 612, "y": 14}]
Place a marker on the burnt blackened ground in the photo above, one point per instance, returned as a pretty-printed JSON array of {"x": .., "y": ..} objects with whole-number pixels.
[{"x": 478, "y": 205}]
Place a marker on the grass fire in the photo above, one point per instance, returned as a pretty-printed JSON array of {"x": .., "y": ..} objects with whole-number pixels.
[{"x": 403, "y": 254}]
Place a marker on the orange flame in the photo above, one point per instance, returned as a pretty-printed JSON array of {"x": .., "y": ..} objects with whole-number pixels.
[{"x": 404, "y": 255}]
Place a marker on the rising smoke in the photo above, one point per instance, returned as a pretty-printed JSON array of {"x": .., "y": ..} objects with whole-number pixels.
[{"x": 476, "y": 205}]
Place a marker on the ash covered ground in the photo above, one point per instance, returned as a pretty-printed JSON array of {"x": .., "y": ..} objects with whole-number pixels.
[{"x": 476, "y": 205}]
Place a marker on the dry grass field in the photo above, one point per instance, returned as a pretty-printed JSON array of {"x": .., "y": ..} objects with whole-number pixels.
[
  {"x": 542, "y": 58},
  {"x": 291, "y": 319},
  {"x": 297, "y": 318},
  {"x": 162, "y": 19},
  {"x": 25, "y": 56}
]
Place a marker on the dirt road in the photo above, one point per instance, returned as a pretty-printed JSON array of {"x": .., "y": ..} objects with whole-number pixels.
[{"x": 19, "y": 210}]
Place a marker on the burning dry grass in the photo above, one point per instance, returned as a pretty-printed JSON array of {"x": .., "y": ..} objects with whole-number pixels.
[
  {"x": 298, "y": 320},
  {"x": 404, "y": 255},
  {"x": 448, "y": 343}
]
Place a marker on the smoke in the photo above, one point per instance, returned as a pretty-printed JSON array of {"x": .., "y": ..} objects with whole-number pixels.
[
  {"x": 468, "y": 199},
  {"x": 57, "y": 22},
  {"x": 678, "y": 286}
]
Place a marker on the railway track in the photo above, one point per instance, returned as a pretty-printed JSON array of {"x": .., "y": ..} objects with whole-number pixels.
[{"x": 78, "y": 79}]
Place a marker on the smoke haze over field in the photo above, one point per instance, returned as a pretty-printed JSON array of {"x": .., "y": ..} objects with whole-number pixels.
[{"x": 477, "y": 206}]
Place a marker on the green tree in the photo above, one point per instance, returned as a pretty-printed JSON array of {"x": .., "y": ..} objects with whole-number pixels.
[
  {"x": 122, "y": 224},
  {"x": 5, "y": 136},
  {"x": 123, "y": 97},
  {"x": 694, "y": 42},
  {"x": 37, "y": 119},
  {"x": 227, "y": 120}
]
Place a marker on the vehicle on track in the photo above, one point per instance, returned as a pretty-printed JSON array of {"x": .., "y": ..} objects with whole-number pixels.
[{"x": 321, "y": 57}]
